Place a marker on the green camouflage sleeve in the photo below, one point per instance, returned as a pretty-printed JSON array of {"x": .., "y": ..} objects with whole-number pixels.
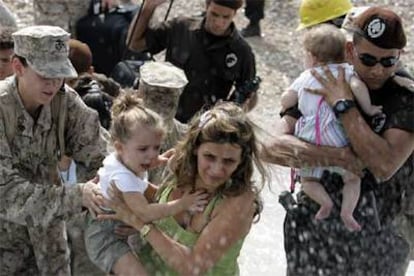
[
  {"x": 23, "y": 200},
  {"x": 86, "y": 141}
]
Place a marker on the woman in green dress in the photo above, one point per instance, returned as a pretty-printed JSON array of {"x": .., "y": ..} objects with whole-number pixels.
[{"x": 217, "y": 155}]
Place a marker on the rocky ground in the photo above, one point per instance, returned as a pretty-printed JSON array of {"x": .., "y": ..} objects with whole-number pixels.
[{"x": 279, "y": 61}]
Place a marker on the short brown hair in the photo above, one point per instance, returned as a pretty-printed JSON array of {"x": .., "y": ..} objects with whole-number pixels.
[
  {"x": 80, "y": 55},
  {"x": 6, "y": 39},
  {"x": 326, "y": 43},
  {"x": 232, "y": 4}
]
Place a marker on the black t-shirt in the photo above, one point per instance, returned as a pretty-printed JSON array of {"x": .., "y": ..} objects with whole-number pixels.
[
  {"x": 398, "y": 107},
  {"x": 211, "y": 63}
]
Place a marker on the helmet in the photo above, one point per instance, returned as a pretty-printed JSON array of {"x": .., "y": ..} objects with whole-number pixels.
[{"x": 313, "y": 12}]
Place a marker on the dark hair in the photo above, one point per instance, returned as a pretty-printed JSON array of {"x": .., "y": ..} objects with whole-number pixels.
[
  {"x": 337, "y": 21},
  {"x": 102, "y": 103},
  {"x": 232, "y": 4},
  {"x": 93, "y": 96},
  {"x": 6, "y": 39},
  {"x": 22, "y": 60},
  {"x": 80, "y": 56}
]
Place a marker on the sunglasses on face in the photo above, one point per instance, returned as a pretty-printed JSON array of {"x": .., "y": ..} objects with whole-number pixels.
[{"x": 370, "y": 61}]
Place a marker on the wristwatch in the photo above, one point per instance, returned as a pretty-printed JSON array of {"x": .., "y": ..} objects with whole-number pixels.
[
  {"x": 145, "y": 230},
  {"x": 342, "y": 106}
]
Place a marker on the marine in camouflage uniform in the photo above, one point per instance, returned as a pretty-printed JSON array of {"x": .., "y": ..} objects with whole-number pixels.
[
  {"x": 161, "y": 85},
  {"x": 35, "y": 204},
  {"x": 7, "y": 18}
]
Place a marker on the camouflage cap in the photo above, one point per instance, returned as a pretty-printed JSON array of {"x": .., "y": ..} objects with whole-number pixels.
[
  {"x": 46, "y": 50},
  {"x": 163, "y": 74}
]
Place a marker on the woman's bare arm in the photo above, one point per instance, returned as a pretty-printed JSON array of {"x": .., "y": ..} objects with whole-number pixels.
[{"x": 231, "y": 221}]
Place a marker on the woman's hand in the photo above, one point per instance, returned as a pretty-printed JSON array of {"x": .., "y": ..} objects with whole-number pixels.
[
  {"x": 121, "y": 211},
  {"x": 333, "y": 89}
]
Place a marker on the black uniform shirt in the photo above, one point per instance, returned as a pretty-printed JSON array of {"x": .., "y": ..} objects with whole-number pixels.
[
  {"x": 398, "y": 107},
  {"x": 212, "y": 64}
]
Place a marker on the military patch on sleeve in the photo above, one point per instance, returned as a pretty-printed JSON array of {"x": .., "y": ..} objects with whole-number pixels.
[{"x": 231, "y": 60}]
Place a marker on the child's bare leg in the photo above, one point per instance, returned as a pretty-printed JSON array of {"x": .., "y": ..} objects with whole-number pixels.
[
  {"x": 317, "y": 192},
  {"x": 350, "y": 196},
  {"x": 127, "y": 265}
]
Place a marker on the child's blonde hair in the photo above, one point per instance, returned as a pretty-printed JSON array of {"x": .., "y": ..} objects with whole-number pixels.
[
  {"x": 326, "y": 43},
  {"x": 128, "y": 113}
]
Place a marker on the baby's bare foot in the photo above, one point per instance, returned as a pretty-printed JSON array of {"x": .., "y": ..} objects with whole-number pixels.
[
  {"x": 323, "y": 212},
  {"x": 350, "y": 223}
]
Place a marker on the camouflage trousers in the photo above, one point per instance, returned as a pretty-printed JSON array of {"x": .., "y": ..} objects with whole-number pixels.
[{"x": 19, "y": 245}]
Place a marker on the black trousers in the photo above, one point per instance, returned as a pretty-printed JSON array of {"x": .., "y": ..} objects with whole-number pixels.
[{"x": 254, "y": 10}]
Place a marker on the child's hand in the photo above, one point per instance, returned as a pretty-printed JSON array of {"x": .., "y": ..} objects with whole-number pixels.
[
  {"x": 162, "y": 158},
  {"x": 374, "y": 110},
  {"x": 194, "y": 202}
]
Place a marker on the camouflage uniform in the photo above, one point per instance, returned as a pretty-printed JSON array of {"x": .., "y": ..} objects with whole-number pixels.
[
  {"x": 6, "y": 16},
  {"x": 34, "y": 203},
  {"x": 161, "y": 85}
]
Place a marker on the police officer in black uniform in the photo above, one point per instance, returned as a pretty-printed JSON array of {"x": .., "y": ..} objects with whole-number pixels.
[{"x": 214, "y": 56}]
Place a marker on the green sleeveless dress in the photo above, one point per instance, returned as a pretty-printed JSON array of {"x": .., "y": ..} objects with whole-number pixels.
[{"x": 156, "y": 266}]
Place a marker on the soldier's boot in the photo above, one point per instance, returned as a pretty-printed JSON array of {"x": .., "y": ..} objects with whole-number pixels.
[{"x": 252, "y": 29}]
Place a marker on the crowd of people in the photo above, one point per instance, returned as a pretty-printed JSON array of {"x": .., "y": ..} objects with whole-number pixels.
[{"x": 157, "y": 178}]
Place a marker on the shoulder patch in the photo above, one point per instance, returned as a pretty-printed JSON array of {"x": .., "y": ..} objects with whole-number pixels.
[{"x": 231, "y": 60}]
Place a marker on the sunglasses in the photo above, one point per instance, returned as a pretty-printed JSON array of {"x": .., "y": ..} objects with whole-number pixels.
[{"x": 370, "y": 61}]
